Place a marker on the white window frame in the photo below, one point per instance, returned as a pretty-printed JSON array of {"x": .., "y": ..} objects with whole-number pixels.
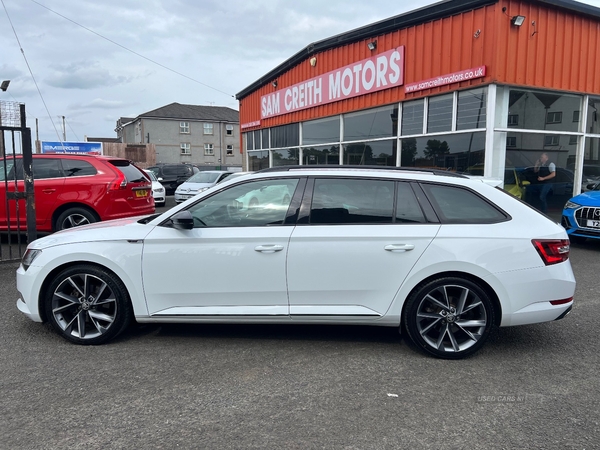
[
  {"x": 209, "y": 150},
  {"x": 229, "y": 130},
  {"x": 551, "y": 140},
  {"x": 229, "y": 150},
  {"x": 208, "y": 128},
  {"x": 184, "y": 128},
  {"x": 185, "y": 148},
  {"x": 554, "y": 117}
]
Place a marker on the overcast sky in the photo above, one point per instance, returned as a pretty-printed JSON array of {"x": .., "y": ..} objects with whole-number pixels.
[{"x": 218, "y": 47}]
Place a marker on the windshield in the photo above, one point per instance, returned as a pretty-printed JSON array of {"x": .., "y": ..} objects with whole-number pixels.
[
  {"x": 204, "y": 177},
  {"x": 151, "y": 175}
]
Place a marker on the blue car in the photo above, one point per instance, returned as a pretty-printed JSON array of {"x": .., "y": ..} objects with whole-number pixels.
[{"x": 581, "y": 215}]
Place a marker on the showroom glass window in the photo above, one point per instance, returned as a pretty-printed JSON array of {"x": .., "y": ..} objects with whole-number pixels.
[
  {"x": 285, "y": 136},
  {"x": 379, "y": 153},
  {"x": 323, "y": 154},
  {"x": 537, "y": 110},
  {"x": 471, "y": 109},
  {"x": 249, "y": 141},
  {"x": 371, "y": 124},
  {"x": 321, "y": 131},
  {"x": 258, "y": 161},
  {"x": 286, "y": 157},
  {"x": 412, "y": 117},
  {"x": 439, "y": 113},
  {"x": 257, "y": 139},
  {"x": 254, "y": 204},
  {"x": 264, "y": 135},
  {"x": 456, "y": 152}
]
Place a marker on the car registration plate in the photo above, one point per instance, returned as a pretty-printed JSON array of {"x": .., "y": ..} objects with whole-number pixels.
[
  {"x": 141, "y": 193},
  {"x": 593, "y": 223}
]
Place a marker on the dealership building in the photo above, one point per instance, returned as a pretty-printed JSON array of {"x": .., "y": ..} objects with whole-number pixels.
[{"x": 477, "y": 86}]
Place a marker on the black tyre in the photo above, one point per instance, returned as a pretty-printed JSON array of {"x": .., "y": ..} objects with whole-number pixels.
[
  {"x": 74, "y": 217},
  {"x": 87, "y": 305},
  {"x": 449, "y": 317}
]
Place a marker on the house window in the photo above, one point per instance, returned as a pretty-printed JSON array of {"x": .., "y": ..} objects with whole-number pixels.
[
  {"x": 511, "y": 141},
  {"x": 554, "y": 117},
  {"x": 575, "y": 116},
  {"x": 229, "y": 130},
  {"x": 209, "y": 150},
  {"x": 572, "y": 140},
  {"x": 186, "y": 148},
  {"x": 184, "y": 127},
  {"x": 208, "y": 128},
  {"x": 550, "y": 141},
  {"x": 513, "y": 120},
  {"x": 229, "y": 150}
]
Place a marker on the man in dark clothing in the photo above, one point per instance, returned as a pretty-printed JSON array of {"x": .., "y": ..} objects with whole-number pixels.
[{"x": 545, "y": 170}]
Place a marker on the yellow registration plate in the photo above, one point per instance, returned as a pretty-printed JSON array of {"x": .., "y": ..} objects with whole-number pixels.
[{"x": 141, "y": 193}]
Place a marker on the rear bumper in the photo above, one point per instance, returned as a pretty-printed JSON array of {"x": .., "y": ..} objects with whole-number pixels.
[{"x": 540, "y": 312}]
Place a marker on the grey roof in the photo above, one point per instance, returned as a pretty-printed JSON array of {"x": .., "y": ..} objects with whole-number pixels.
[
  {"x": 194, "y": 112},
  {"x": 435, "y": 11},
  {"x": 103, "y": 139}
]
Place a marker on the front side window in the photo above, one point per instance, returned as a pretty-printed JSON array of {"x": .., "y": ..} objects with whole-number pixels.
[
  {"x": 255, "y": 204},
  {"x": 186, "y": 148},
  {"x": 184, "y": 127},
  {"x": 352, "y": 201},
  {"x": 209, "y": 150},
  {"x": 208, "y": 128}
]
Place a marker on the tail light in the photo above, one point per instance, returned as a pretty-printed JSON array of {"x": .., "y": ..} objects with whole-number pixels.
[
  {"x": 552, "y": 251},
  {"x": 118, "y": 183}
]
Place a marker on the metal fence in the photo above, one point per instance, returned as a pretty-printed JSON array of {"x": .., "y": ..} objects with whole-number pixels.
[{"x": 17, "y": 202}]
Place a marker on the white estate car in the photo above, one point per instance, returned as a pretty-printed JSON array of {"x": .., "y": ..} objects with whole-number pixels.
[
  {"x": 443, "y": 258},
  {"x": 199, "y": 182},
  {"x": 158, "y": 190}
]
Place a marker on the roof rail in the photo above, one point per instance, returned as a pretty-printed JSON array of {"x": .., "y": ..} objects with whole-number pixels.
[{"x": 355, "y": 167}]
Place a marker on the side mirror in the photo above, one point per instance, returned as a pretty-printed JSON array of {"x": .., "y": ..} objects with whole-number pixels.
[
  {"x": 160, "y": 178},
  {"x": 183, "y": 220}
]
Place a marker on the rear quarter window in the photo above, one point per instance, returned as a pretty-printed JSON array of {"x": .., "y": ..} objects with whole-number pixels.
[
  {"x": 131, "y": 172},
  {"x": 78, "y": 168},
  {"x": 457, "y": 205}
]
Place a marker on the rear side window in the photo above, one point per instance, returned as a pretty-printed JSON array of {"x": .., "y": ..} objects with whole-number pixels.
[
  {"x": 77, "y": 168},
  {"x": 46, "y": 168},
  {"x": 348, "y": 201},
  {"x": 131, "y": 172},
  {"x": 407, "y": 206},
  {"x": 459, "y": 205}
]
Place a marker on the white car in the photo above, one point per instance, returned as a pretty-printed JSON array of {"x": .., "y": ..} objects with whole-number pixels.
[
  {"x": 199, "y": 182},
  {"x": 445, "y": 259},
  {"x": 158, "y": 190}
]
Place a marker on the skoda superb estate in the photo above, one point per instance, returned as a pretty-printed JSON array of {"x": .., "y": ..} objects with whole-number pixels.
[{"x": 443, "y": 258}]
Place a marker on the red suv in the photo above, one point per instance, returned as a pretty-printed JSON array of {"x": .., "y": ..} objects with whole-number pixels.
[{"x": 72, "y": 190}]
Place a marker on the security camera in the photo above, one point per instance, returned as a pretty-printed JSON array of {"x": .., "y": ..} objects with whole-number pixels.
[{"x": 4, "y": 85}]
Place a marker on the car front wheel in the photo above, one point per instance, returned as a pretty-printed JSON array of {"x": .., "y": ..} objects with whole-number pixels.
[
  {"x": 87, "y": 305},
  {"x": 449, "y": 317}
]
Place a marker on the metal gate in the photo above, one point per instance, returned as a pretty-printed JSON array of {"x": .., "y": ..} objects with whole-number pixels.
[{"x": 17, "y": 202}]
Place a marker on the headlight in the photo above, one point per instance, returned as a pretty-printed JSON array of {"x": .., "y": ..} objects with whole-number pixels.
[
  {"x": 571, "y": 205},
  {"x": 202, "y": 189},
  {"x": 29, "y": 256}
]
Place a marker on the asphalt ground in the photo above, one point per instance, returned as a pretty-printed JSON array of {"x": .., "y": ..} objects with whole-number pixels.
[{"x": 301, "y": 387}]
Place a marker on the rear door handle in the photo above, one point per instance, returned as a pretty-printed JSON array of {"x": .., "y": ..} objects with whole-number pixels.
[
  {"x": 399, "y": 247},
  {"x": 268, "y": 248},
  {"x": 48, "y": 191}
]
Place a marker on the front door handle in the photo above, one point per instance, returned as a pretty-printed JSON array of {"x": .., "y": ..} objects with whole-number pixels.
[
  {"x": 48, "y": 191},
  {"x": 268, "y": 248},
  {"x": 399, "y": 247}
]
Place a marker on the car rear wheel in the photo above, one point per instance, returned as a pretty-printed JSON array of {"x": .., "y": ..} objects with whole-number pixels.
[
  {"x": 87, "y": 305},
  {"x": 449, "y": 317},
  {"x": 74, "y": 217}
]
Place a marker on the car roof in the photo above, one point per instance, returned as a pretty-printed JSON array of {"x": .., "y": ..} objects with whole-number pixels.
[{"x": 424, "y": 170}]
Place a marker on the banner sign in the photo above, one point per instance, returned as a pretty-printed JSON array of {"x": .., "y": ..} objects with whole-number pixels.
[
  {"x": 256, "y": 123},
  {"x": 88, "y": 148},
  {"x": 456, "y": 77},
  {"x": 383, "y": 71}
]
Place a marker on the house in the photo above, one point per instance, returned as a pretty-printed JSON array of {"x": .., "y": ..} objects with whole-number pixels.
[{"x": 207, "y": 136}]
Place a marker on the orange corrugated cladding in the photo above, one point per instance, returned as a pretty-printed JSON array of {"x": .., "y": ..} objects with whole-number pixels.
[{"x": 561, "y": 52}]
